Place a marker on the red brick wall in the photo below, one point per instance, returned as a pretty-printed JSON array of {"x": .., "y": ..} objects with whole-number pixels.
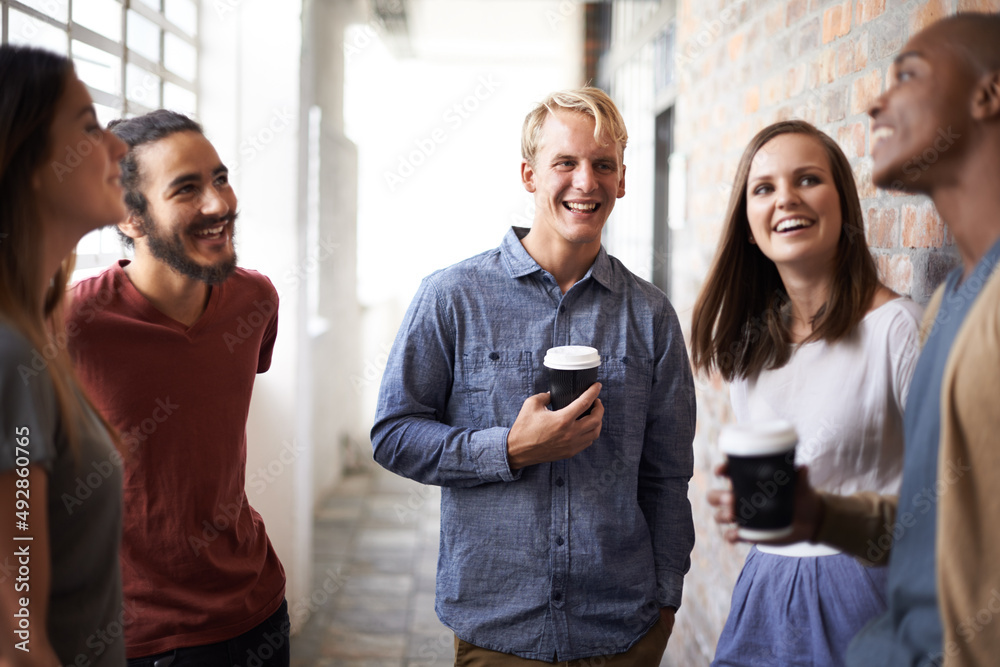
[{"x": 741, "y": 66}]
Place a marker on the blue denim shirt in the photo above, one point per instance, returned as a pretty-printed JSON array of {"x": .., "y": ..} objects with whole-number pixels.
[{"x": 560, "y": 560}]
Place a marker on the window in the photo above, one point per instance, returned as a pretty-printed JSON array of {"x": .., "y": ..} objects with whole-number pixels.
[{"x": 133, "y": 55}]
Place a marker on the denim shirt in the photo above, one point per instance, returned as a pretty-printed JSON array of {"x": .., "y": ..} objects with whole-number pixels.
[{"x": 561, "y": 560}]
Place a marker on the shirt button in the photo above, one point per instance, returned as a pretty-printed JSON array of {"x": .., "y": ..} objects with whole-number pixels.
[
  {"x": 559, "y": 541},
  {"x": 494, "y": 356},
  {"x": 557, "y": 596},
  {"x": 562, "y": 309},
  {"x": 559, "y": 481}
]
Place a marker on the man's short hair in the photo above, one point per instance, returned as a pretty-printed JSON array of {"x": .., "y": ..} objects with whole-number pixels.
[
  {"x": 138, "y": 131},
  {"x": 588, "y": 100}
]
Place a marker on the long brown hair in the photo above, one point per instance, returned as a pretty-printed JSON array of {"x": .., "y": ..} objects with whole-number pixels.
[
  {"x": 33, "y": 81},
  {"x": 741, "y": 318}
]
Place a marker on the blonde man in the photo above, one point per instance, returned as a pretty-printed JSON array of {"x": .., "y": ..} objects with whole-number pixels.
[{"x": 564, "y": 535}]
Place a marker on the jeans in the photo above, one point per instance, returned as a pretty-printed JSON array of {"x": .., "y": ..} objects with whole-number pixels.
[{"x": 266, "y": 645}]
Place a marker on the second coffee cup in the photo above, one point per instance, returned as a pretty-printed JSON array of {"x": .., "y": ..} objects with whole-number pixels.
[
  {"x": 572, "y": 369},
  {"x": 761, "y": 459}
]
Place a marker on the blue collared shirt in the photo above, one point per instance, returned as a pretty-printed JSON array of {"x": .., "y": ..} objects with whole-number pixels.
[{"x": 561, "y": 560}]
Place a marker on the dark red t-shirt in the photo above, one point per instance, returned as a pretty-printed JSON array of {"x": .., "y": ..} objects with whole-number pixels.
[{"x": 197, "y": 565}]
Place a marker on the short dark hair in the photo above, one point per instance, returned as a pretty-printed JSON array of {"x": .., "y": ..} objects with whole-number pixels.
[{"x": 138, "y": 131}]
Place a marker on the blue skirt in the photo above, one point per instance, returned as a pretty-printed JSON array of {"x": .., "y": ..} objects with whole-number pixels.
[{"x": 792, "y": 611}]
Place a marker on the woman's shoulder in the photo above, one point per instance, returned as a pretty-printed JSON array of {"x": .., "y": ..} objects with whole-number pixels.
[{"x": 897, "y": 316}]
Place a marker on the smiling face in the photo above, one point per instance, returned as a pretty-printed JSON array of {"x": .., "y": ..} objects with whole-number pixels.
[
  {"x": 78, "y": 188},
  {"x": 575, "y": 180},
  {"x": 793, "y": 204},
  {"x": 920, "y": 123},
  {"x": 191, "y": 216}
]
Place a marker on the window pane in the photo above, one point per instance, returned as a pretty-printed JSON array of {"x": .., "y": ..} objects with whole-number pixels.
[
  {"x": 57, "y": 9},
  {"x": 143, "y": 36},
  {"x": 183, "y": 14},
  {"x": 155, "y": 4},
  {"x": 106, "y": 114},
  {"x": 179, "y": 99},
  {"x": 98, "y": 69},
  {"x": 110, "y": 242},
  {"x": 179, "y": 57},
  {"x": 27, "y": 30},
  {"x": 90, "y": 244},
  {"x": 142, "y": 86},
  {"x": 102, "y": 16}
]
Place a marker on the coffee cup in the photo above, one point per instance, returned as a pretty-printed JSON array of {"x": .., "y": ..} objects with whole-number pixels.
[
  {"x": 761, "y": 461},
  {"x": 572, "y": 369}
]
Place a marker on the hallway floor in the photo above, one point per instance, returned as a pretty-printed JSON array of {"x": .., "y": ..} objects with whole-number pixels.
[{"x": 375, "y": 553}]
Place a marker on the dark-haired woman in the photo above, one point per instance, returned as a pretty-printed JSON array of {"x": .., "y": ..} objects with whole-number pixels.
[
  {"x": 793, "y": 315},
  {"x": 60, "y": 482}
]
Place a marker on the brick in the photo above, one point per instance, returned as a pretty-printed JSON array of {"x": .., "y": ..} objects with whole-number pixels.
[
  {"x": 861, "y": 53},
  {"x": 806, "y": 38},
  {"x": 834, "y": 103},
  {"x": 823, "y": 68},
  {"x": 736, "y": 46},
  {"x": 845, "y": 58},
  {"x": 773, "y": 90},
  {"x": 868, "y": 9},
  {"x": 922, "y": 227},
  {"x": 887, "y": 38},
  {"x": 795, "y": 80},
  {"x": 987, "y": 6},
  {"x": 928, "y": 13},
  {"x": 863, "y": 178},
  {"x": 896, "y": 271},
  {"x": 865, "y": 90},
  {"x": 795, "y": 10},
  {"x": 882, "y": 228},
  {"x": 852, "y": 139},
  {"x": 775, "y": 20},
  {"x": 751, "y": 101},
  {"x": 836, "y": 21}
]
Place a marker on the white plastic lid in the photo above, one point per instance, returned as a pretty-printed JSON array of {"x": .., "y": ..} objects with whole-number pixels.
[
  {"x": 757, "y": 438},
  {"x": 572, "y": 358}
]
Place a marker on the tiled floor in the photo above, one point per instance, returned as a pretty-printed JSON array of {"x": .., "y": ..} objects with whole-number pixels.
[{"x": 375, "y": 551}]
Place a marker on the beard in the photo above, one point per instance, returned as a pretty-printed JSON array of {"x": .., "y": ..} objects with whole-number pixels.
[{"x": 169, "y": 249}]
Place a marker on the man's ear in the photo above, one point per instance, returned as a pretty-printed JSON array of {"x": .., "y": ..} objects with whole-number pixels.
[
  {"x": 528, "y": 176},
  {"x": 132, "y": 227},
  {"x": 621, "y": 184},
  {"x": 986, "y": 102}
]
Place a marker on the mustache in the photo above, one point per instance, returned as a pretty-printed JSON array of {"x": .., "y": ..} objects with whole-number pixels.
[{"x": 208, "y": 223}]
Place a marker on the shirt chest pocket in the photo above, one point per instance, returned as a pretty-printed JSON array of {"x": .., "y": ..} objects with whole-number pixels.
[
  {"x": 625, "y": 386},
  {"x": 493, "y": 386}
]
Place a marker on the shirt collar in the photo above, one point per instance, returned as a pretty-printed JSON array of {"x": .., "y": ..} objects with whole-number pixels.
[{"x": 520, "y": 263}]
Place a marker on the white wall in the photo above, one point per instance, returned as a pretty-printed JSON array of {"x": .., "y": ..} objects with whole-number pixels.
[{"x": 250, "y": 107}]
